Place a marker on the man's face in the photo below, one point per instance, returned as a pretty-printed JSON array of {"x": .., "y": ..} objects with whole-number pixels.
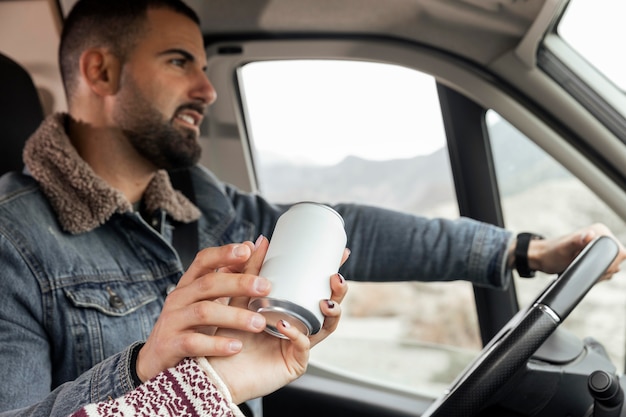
[{"x": 164, "y": 91}]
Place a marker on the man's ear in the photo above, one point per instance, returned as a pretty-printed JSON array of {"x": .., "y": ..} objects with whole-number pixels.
[{"x": 101, "y": 70}]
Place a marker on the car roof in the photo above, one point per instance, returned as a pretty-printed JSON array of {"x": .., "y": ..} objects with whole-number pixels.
[{"x": 478, "y": 30}]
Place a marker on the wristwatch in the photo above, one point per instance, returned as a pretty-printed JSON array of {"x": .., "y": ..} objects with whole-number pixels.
[{"x": 521, "y": 254}]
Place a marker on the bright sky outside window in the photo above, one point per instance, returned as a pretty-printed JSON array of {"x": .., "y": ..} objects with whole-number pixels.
[
  {"x": 597, "y": 31},
  {"x": 321, "y": 111}
]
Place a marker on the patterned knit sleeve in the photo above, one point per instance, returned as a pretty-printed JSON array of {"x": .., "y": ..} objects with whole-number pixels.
[{"x": 191, "y": 389}]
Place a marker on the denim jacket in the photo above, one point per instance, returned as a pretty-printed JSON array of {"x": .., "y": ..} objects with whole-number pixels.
[{"x": 83, "y": 277}]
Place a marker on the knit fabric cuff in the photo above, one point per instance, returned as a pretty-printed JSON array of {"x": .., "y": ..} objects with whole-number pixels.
[
  {"x": 192, "y": 388},
  {"x": 219, "y": 384}
]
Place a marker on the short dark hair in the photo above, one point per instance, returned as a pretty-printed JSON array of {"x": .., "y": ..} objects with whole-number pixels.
[{"x": 115, "y": 24}]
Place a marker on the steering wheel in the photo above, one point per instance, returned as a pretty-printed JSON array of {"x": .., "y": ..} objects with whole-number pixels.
[{"x": 518, "y": 340}]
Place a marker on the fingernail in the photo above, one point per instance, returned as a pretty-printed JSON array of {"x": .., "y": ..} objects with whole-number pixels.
[
  {"x": 285, "y": 324},
  {"x": 258, "y": 241},
  {"x": 341, "y": 278},
  {"x": 235, "y": 345},
  {"x": 261, "y": 285},
  {"x": 258, "y": 322},
  {"x": 240, "y": 250},
  {"x": 330, "y": 303}
]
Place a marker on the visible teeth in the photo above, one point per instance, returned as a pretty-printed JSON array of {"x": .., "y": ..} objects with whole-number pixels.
[{"x": 187, "y": 118}]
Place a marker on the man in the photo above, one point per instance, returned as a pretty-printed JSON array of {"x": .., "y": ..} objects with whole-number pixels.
[
  {"x": 92, "y": 275},
  {"x": 85, "y": 234}
]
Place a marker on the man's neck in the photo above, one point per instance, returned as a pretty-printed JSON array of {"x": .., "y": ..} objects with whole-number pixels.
[{"x": 111, "y": 157}]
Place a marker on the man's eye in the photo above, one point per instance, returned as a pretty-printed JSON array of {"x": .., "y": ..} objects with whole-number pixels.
[{"x": 179, "y": 62}]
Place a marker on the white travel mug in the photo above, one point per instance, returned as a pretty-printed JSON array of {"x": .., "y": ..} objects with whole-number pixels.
[{"x": 304, "y": 252}]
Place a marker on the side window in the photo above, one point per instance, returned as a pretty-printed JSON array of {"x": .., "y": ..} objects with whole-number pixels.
[
  {"x": 540, "y": 195},
  {"x": 371, "y": 133}
]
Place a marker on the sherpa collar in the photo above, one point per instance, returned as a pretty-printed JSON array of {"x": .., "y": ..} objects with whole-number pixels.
[{"x": 81, "y": 199}]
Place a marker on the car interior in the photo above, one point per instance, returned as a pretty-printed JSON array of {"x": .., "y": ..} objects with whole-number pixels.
[{"x": 533, "y": 137}]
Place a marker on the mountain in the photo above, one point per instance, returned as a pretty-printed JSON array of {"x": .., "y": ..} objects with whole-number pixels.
[
  {"x": 407, "y": 184},
  {"x": 416, "y": 185}
]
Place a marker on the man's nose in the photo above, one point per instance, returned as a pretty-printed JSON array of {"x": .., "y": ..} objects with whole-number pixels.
[{"x": 203, "y": 89}]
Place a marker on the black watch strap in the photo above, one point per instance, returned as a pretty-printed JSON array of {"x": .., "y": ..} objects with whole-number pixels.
[{"x": 521, "y": 254}]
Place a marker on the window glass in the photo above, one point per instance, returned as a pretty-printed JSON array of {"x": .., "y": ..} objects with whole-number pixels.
[
  {"x": 541, "y": 196},
  {"x": 596, "y": 30},
  {"x": 338, "y": 131}
]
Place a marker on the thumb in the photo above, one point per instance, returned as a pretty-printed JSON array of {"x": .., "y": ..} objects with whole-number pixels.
[{"x": 587, "y": 237}]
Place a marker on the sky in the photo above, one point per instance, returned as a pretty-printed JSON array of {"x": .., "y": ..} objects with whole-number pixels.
[
  {"x": 323, "y": 129},
  {"x": 597, "y": 30}
]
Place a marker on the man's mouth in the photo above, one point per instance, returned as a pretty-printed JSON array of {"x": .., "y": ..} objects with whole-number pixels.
[{"x": 190, "y": 118}]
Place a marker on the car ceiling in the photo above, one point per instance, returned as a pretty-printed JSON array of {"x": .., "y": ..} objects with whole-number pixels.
[{"x": 481, "y": 30}]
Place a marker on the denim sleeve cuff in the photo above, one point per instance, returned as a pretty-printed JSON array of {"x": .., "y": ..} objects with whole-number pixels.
[
  {"x": 506, "y": 272},
  {"x": 488, "y": 257},
  {"x": 112, "y": 377},
  {"x": 133, "y": 364}
]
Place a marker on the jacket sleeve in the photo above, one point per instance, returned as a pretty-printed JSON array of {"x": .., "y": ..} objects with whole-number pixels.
[
  {"x": 390, "y": 246},
  {"x": 191, "y": 388}
]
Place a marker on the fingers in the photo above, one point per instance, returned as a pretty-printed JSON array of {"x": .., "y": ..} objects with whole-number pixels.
[
  {"x": 197, "y": 306},
  {"x": 297, "y": 348},
  {"x": 189, "y": 344},
  {"x": 331, "y": 308},
  {"x": 293, "y": 334},
  {"x": 207, "y": 302},
  {"x": 253, "y": 266},
  {"x": 211, "y": 259},
  {"x": 338, "y": 287},
  {"x": 209, "y": 313},
  {"x": 599, "y": 229},
  {"x": 558, "y": 253},
  {"x": 219, "y": 284},
  {"x": 188, "y": 330}
]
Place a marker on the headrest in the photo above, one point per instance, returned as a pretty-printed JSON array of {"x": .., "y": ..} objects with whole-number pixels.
[{"x": 20, "y": 113}]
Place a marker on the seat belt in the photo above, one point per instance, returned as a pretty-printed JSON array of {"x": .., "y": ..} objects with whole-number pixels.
[
  {"x": 185, "y": 235},
  {"x": 185, "y": 238}
]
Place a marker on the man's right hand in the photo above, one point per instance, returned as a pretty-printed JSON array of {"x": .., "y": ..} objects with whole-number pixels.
[{"x": 198, "y": 305}]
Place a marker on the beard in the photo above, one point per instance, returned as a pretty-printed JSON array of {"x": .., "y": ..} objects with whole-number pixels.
[{"x": 152, "y": 135}]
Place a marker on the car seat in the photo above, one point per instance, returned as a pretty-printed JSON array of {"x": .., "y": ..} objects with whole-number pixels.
[{"x": 21, "y": 113}]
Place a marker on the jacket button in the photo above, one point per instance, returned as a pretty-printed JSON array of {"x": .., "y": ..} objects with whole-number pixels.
[{"x": 115, "y": 300}]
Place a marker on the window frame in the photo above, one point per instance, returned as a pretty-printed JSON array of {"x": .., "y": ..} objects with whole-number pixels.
[{"x": 478, "y": 198}]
